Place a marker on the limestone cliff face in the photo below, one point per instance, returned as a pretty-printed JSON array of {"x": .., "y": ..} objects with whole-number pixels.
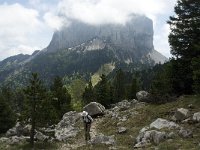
[{"x": 136, "y": 35}]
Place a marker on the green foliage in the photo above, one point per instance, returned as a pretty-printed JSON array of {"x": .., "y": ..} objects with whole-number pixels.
[
  {"x": 88, "y": 95},
  {"x": 61, "y": 98},
  {"x": 76, "y": 90},
  {"x": 184, "y": 40},
  {"x": 119, "y": 86},
  {"x": 196, "y": 74},
  {"x": 35, "y": 95},
  {"x": 7, "y": 116},
  {"x": 102, "y": 92}
]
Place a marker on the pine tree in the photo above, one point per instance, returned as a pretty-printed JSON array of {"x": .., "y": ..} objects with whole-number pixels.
[
  {"x": 184, "y": 40},
  {"x": 35, "y": 94},
  {"x": 88, "y": 95}
]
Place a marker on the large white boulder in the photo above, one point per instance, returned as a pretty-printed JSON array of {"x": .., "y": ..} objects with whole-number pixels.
[
  {"x": 94, "y": 109},
  {"x": 163, "y": 123}
]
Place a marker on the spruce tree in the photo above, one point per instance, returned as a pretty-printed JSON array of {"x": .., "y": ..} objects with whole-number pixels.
[
  {"x": 35, "y": 94},
  {"x": 184, "y": 40}
]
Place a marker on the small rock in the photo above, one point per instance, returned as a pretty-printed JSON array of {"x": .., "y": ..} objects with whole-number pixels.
[
  {"x": 122, "y": 130},
  {"x": 191, "y": 106},
  {"x": 181, "y": 114},
  {"x": 185, "y": 133},
  {"x": 171, "y": 135},
  {"x": 196, "y": 117},
  {"x": 102, "y": 139}
]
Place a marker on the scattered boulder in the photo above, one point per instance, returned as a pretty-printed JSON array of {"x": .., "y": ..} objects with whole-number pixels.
[
  {"x": 163, "y": 123},
  {"x": 102, "y": 139},
  {"x": 142, "y": 96},
  {"x": 95, "y": 109},
  {"x": 186, "y": 133},
  {"x": 196, "y": 117},
  {"x": 65, "y": 128},
  {"x": 147, "y": 137},
  {"x": 122, "y": 130},
  {"x": 16, "y": 130},
  {"x": 181, "y": 114},
  {"x": 41, "y": 137}
]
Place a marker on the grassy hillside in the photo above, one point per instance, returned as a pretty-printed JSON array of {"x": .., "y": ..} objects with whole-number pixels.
[{"x": 137, "y": 118}]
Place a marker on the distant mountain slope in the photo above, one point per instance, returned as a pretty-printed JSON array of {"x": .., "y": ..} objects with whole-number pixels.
[{"x": 84, "y": 49}]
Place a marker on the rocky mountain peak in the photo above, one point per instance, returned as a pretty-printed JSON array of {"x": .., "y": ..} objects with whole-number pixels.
[{"x": 135, "y": 35}]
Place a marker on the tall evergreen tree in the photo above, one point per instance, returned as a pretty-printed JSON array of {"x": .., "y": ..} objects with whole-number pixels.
[
  {"x": 102, "y": 92},
  {"x": 88, "y": 95},
  {"x": 184, "y": 40},
  {"x": 62, "y": 99},
  {"x": 34, "y": 93}
]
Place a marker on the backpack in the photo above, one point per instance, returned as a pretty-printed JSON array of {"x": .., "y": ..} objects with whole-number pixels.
[{"x": 87, "y": 119}]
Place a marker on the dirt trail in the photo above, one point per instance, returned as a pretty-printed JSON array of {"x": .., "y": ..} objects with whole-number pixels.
[{"x": 81, "y": 142}]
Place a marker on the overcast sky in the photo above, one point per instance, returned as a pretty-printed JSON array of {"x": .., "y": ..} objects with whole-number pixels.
[{"x": 28, "y": 25}]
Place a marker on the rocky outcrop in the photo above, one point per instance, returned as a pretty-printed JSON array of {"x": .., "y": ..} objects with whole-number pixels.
[
  {"x": 142, "y": 96},
  {"x": 65, "y": 128},
  {"x": 19, "y": 130},
  {"x": 147, "y": 137},
  {"x": 95, "y": 109}
]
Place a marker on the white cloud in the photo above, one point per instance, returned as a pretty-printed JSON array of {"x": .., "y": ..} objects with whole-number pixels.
[
  {"x": 161, "y": 40},
  {"x": 19, "y": 26},
  {"x": 110, "y": 11},
  {"x": 53, "y": 21}
]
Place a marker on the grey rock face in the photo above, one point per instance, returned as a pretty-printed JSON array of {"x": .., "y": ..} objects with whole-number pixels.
[
  {"x": 137, "y": 34},
  {"x": 94, "y": 109},
  {"x": 65, "y": 128}
]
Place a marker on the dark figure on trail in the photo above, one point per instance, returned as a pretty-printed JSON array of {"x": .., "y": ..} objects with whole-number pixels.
[{"x": 87, "y": 120}]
